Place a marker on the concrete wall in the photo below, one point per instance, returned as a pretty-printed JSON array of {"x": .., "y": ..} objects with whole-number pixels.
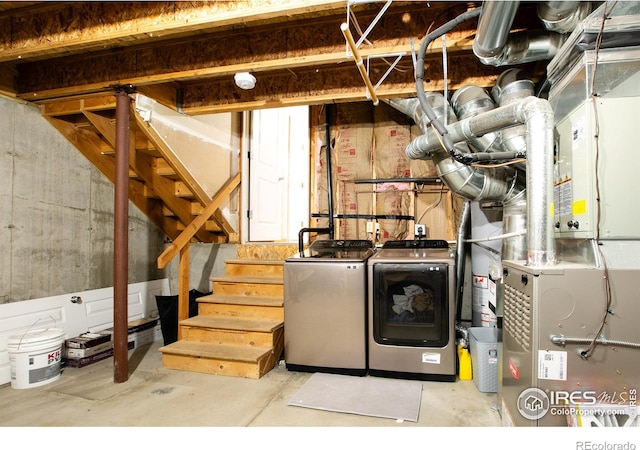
[
  {"x": 205, "y": 262},
  {"x": 56, "y": 215}
]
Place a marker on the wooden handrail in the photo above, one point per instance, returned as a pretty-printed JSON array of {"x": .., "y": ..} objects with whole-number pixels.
[{"x": 185, "y": 237}]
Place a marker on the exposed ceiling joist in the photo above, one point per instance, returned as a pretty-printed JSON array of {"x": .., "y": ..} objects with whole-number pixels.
[
  {"x": 184, "y": 54},
  {"x": 40, "y": 30}
]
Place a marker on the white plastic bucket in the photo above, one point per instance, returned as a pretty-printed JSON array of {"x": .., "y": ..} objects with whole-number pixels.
[{"x": 35, "y": 357}]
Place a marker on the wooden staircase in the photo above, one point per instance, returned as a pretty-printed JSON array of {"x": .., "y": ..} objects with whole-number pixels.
[
  {"x": 159, "y": 183},
  {"x": 239, "y": 329}
]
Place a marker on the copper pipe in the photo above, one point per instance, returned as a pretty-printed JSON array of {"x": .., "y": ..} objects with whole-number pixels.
[{"x": 121, "y": 239}]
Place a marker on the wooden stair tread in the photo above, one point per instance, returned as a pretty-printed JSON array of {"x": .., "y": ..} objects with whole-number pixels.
[
  {"x": 242, "y": 279},
  {"x": 241, "y": 300},
  {"x": 216, "y": 351},
  {"x": 233, "y": 323}
]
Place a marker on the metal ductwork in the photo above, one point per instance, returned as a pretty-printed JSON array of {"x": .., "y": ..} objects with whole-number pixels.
[
  {"x": 494, "y": 45},
  {"x": 469, "y": 101},
  {"x": 563, "y": 16},
  {"x": 512, "y": 86},
  {"x": 504, "y": 184},
  {"x": 474, "y": 183},
  {"x": 523, "y": 120}
]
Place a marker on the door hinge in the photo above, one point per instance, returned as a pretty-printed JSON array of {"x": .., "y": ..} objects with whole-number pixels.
[{"x": 249, "y": 214}]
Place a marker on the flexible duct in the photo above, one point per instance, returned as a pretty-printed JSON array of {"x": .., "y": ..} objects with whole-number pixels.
[{"x": 495, "y": 46}]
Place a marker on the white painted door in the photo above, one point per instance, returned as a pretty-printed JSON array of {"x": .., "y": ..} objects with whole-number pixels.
[{"x": 278, "y": 174}]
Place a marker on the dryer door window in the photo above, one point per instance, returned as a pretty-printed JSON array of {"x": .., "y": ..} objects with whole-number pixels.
[{"x": 411, "y": 304}]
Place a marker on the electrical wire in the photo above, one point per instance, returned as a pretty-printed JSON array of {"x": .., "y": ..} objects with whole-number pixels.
[
  {"x": 495, "y": 166},
  {"x": 483, "y": 165},
  {"x": 607, "y": 282},
  {"x": 433, "y": 205}
]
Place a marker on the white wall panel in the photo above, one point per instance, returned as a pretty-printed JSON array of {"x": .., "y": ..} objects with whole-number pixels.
[{"x": 93, "y": 313}]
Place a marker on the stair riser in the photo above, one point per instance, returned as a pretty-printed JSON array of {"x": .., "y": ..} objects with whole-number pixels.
[
  {"x": 230, "y": 337},
  {"x": 253, "y": 301},
  {"x": 215, "y": 366},
  {"x": 249, "y": 289},
  {"x": 254, "y": 270},
  {"x": 271, "y": 252},
  {"x": 265, "y": 312}
]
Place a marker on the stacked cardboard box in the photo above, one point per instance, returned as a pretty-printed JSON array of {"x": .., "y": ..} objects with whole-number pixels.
[
  {"x": 140, "y": 332},
  {"x": 87, "y": 344},
  {"x": 89, "y": 348},
  {"x": 86, "y": 349},
  {"x": 85, "y": 361}
]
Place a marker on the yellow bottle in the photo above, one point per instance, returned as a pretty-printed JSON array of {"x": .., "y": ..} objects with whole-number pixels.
[{"x": 464, "y": 363}]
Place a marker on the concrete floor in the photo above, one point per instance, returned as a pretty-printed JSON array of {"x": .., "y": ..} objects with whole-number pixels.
[{"x": 158, "y": 397}]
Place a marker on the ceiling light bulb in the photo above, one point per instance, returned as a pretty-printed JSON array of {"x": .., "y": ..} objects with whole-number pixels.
[{"x": 244, "y": 80}]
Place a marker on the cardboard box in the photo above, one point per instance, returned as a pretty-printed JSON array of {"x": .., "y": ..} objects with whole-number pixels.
[
  {"x": 135, "y": 326},
  {"x": 85, "y": 352},
  {"x": 143, "y": 337},
  {"x": 82, "y": 362},
  {"x": 87, "y": 340}
]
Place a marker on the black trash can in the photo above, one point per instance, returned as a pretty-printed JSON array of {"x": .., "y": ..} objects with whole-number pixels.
[{"x": 168, "y": 312}]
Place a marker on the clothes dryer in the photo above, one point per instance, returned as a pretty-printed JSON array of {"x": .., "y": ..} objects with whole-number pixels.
[{"x": 411, "y": 311}]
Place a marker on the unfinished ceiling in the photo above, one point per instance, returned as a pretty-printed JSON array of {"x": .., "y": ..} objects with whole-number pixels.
[
  {"x": 70, "y": 58},
  {"x": 185, "y": 54}
]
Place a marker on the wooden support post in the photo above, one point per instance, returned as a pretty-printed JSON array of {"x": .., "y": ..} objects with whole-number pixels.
[{"x": 183, "y": 286}]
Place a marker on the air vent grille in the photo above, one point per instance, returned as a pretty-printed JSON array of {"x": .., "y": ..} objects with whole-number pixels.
[{"x": 517, "y": 316}]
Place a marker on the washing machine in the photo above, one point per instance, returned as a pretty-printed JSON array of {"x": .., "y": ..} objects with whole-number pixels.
[
  {"x": 325, "y": 298},
  {"x": 411, "y": 311}
]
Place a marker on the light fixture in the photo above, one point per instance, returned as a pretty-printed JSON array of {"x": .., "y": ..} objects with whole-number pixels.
[{"x": 244, "y": 80}]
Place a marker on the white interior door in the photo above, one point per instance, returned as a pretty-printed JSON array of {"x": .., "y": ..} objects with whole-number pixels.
[{"x": 278, "y": 174}]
